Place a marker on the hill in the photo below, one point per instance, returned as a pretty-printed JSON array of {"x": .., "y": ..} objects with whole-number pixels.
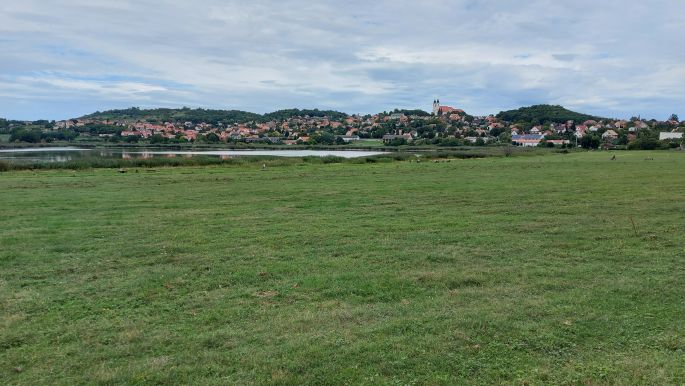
[
  {"x": 207, "y": 115},
  {"x": 184, "y": 114},
  {"x": 418, "y": 112},
  {"x": 290, "y": 113},
  {"x": 540, "y": 114}
]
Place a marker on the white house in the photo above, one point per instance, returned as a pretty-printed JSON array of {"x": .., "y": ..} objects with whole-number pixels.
[
  {"x": 348, "y": 138},
  {"x": 527, "y": 140},
  {"x": 669, "y": 135},
  {"x": 609, "y": 134}
]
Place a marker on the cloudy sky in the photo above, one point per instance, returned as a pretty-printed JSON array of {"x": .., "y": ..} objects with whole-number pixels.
[{"x": 65, "y": 58}]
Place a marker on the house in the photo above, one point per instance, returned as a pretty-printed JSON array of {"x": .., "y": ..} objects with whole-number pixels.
[
  {"x": 664, "y": 135},
  {"x": 391, "y": 137},
  {"x": 609, "y": 135},
  {"x": 348, "y": 138},
  {"x": 190, "y": 135},
  {"x": 272, "y": 140},
  {"x": 475, "y": 139},
  {"x": 527, "y": 140},
  {"x": 225, "y": 136},
  {"x": 559, "y": 142},
  {"x": 558, "y": 128},
  {"x": 641, "y": 125}
]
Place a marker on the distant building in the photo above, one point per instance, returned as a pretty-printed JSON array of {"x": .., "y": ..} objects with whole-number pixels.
[
  {"x": 390, "y": 137},
  {"x": 559, "y": 142},
  {"x": 527, "y": 140},
  {"x": 475, "y": 139},
  {"x": 669, "y": 135},
  {"x": 348, "y": 138},
  {"x": 609, "y": 135},
  {"x": 641, "y": 125},
  {"x": 440, "y": 110}
]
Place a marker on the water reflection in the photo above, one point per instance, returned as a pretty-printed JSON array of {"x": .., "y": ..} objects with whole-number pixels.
[{"x": 63, "y": 154}]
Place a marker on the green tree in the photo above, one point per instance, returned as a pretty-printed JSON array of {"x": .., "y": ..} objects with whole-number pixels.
[
  {"x": 590, "y": 141},
  {"x": 323, "y": 138},
  {"x": 25, "y": 135},
  {"x": 644, "y": 143},
  {"x": 157, "y": 138},
  {"x": 396, "y": 142}
]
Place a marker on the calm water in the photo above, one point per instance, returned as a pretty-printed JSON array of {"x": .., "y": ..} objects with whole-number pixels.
[{"x": 62, "y": 154}]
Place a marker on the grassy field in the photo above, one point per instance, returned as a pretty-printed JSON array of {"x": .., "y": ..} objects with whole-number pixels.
[
  {"x": 368, "y": 143},
  {"x": 520, "y": 270}
]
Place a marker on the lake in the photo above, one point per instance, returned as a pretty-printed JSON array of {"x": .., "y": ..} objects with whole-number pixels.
[{"x": 62, "y": 154}]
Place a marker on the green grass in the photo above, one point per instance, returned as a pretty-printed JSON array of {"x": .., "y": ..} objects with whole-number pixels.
[
  {"x": 4, "y": 137},
  {"x": 367, "y": 143},
  {"x": 480, "y": 271}
]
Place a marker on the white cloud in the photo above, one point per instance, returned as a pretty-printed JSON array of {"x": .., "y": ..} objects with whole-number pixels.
[{"x": 609, "y": 57}]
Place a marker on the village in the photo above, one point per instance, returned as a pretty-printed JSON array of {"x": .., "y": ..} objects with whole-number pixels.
[{"x": 443, "y": 126}]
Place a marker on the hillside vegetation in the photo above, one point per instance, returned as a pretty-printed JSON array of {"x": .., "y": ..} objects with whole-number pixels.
[
  {"x": 541, "y": 114},
  {"x": 207, "y": 116}
]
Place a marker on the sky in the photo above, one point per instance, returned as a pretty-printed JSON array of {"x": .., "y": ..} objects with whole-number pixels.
[{"x": 66, "y": 58}]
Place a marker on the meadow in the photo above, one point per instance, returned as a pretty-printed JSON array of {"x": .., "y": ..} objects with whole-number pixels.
[{"x": 545, "y": 269}]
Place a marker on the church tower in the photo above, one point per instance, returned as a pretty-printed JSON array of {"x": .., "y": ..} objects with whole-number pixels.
[{"x": 436, "y": 106}]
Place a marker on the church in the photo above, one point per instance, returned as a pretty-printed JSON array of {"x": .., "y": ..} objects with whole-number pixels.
[{"x": 440, "y": 110}]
